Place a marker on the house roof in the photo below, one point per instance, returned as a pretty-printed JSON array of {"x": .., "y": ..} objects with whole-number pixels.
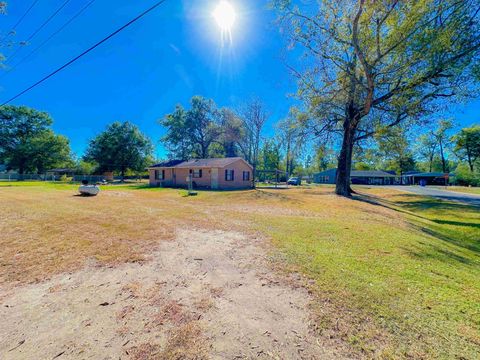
[
  {"x": 426, "y": 174},
  {"x": 204, "y": 163},
  {"x": 328, "y": 172},
  {"x": 168, "y": 163},
  {"x": 358, "y": 173},
  {"x": 61, "y": 170},
  {"x": 371, "y": 173}
]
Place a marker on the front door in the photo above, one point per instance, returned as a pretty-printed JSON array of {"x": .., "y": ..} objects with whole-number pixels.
[{"x": 214, "y": 178}]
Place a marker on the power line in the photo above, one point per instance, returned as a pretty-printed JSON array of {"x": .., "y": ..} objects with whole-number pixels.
[
  {"x": 49, "y": 38},
  {"x": 21, "y": 19},
  {"x": 24, "y": 15},
  {"x": 87, "y": 51},
  {"x": 32, "y": 35}
]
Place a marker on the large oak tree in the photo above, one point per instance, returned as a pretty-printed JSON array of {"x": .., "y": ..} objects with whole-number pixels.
[
  {"x": 372, "y": 64},
  {"x": 27, "y": 143}
]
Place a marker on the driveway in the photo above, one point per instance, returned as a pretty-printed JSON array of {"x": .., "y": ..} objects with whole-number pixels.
[{"x": 469, "y": 199}]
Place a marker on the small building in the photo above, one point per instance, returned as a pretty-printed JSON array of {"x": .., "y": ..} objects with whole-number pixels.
[
  {"x": 60, "y": 172},
  {"x": 425, "y": 178},
  {"x": 364, "y": 177},
  {"x": 217, "y": 173}
]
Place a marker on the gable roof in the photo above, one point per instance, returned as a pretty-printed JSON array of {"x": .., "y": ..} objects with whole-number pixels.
[
  {"x": 214, "y": 162},
  {"x": 204, "y": 163},
  {"x": 370, "y": 173},
  {"x": 168, "y": 163}
]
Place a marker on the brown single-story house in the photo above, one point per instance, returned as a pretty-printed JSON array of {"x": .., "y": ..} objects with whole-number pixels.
[{"x": 218, "y": 173}]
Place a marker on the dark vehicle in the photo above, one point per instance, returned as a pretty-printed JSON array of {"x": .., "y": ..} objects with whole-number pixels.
[{"x": 294, "y": 181}]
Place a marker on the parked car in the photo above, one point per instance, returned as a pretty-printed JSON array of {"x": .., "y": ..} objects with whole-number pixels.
[{"x": 294, "y": 181}]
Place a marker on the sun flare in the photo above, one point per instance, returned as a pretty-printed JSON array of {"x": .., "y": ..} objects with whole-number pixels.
[{"x": 225, "y": 16}]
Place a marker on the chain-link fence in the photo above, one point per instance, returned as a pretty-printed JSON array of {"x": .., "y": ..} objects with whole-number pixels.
[{"x": 74, "y": 178}]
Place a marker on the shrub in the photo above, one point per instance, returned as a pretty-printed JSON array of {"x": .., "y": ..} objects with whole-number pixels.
[
  {"x": 463, "y": 176},
  {"x": 65, "y": 178}
]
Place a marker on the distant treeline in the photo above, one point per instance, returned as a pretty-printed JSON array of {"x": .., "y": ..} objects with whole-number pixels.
[{"x": 202, "y": 130}]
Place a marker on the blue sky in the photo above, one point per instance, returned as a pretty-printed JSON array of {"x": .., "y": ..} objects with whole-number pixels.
[{"x": 142, "y": 73}]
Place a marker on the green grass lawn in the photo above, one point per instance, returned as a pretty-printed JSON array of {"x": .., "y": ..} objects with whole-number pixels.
[
  {"x": 462, "y": 189},
  {"x": 401, "y": 274}
]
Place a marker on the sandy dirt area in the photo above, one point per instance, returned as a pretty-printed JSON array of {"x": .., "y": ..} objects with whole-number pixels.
[{"x": 205, "y": 295}]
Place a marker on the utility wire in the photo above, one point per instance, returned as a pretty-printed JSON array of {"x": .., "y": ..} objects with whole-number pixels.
[
  {"x": 20, "y": 20},
  {"x": 32, "y": 35},
  {"x": 49, "y": 38},
  {"x": 87, "y": 51}
]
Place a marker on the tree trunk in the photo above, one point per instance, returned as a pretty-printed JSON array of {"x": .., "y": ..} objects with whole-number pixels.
[
  {"x": 444, "y": 165},
  {"x": 470, "y": 162},
  {"x": 345, "y": 162},
  {"x": 287, "y": 162},
  {"x": 123, "y": 174}
]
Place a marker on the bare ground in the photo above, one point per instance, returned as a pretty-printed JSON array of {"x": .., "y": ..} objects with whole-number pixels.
[{"x": 206, "y": 294}]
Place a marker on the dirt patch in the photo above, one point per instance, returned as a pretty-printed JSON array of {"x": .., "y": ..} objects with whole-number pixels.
[{"x": 209, "y": 294}]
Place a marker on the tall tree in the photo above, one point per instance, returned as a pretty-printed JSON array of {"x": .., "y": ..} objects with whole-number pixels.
[
  {"x": 442, "y": 137},
  {"x": 394, "y": 146},
  {"x": 202, "y": 122},
  {"x": 26, "y": 141},
  {"x": 270, "y": 155},
  {"x": 192, "y": 132},
  {"x": 121, "y": 147},
  {"x": 291, "y": 137},
  {"x": 427, "y": 148},
  {"x": 232, "y": 132},
  {"x": 254, "y": 116},
  {"x": 375, "y": 64},
  {"x": 177, "y": 140},
  {"x": 467, "y": 145},
  {"x": 324, "y": 157}
]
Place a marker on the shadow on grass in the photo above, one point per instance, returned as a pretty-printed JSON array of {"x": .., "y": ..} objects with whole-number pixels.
[
  {"x": 437, "y": 253},
  {"x": 457, "y": 223},
  {"x": 413, "y": 205}
]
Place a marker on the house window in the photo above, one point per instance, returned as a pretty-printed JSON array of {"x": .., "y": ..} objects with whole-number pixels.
[
  {"x": 196, "y": 173},
  {"x": 246, "y": 175},
  {"x": 229, "y": 175},
  {"x": 159, "y": 174}
]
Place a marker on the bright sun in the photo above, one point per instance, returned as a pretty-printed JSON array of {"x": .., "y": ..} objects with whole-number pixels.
[{"x": 225, "y": 16}]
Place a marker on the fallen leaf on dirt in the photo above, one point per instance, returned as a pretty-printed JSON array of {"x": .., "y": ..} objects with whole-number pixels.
[
  {"x": 19, "y": 344},
  {"x": 58, "y": 355}
]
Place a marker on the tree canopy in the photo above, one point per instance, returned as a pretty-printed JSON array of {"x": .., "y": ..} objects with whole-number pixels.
[
  {"x": 467, "y": 145},
  {"x": 28, "y": 144},
  {"x": 192, "y": 133},
  {"x": 204, "y": 130},
  {"x": 121, "y": 147}
]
